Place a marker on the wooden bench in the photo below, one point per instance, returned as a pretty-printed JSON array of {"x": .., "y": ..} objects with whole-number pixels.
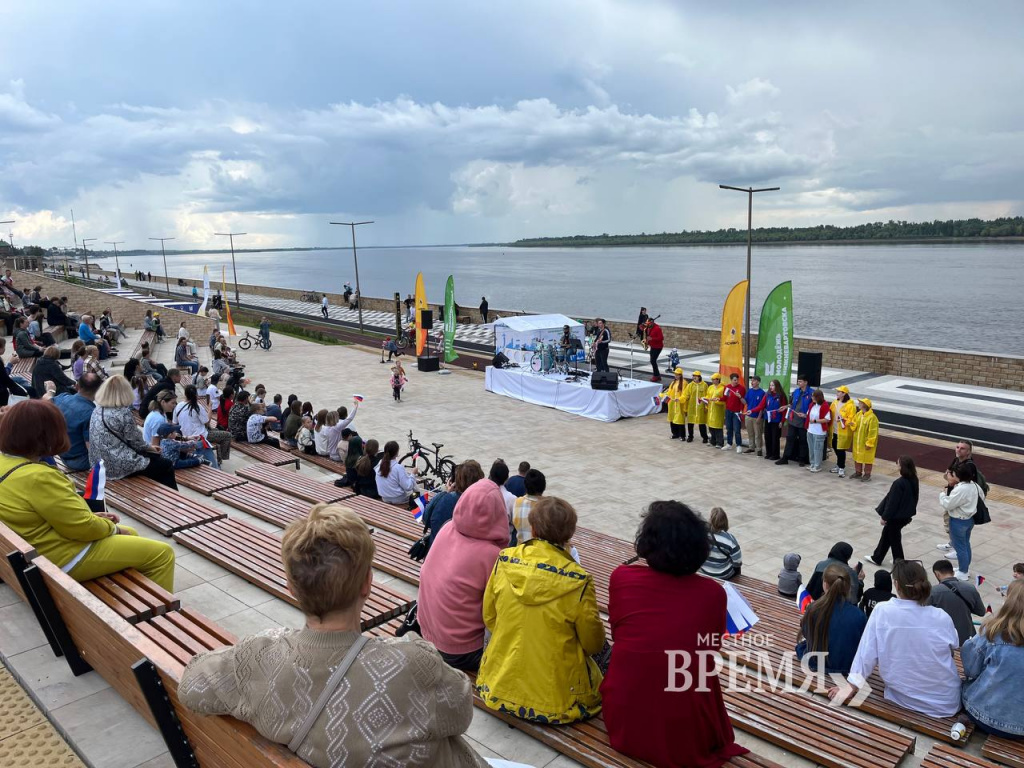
[
  {"x": 294, "y": 484},
  {"x": 207, "y": 480},
  {"x": 15, "y": 553},
  {"x": 157, "y": 506},
  {"x": 266, "y": 454},
  {"x": 941, "y": 756},
  {"x": 132, "y": 596},
  {"x": 185, "y": 633},
  {"x": 265, "y": 503},
  {"x": 24, "y": 367},
  {"x": 255, "y": 555},
  {"x": 146, "y": 675},
  {"x": 147, "y": 336},
  {"x": 1005, "y": 751},
  {"x": 385, "y": 516},
  {"x": 324, "y": 462}
]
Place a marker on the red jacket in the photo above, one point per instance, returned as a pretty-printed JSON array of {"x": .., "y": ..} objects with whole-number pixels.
[
  {"x": 824, "y": 410},
  {"x": 735, "y": 398},
  {"x": 655, "y": 337}
]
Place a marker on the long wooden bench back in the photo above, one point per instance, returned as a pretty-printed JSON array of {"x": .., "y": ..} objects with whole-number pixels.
[
  {"x": 1006, "y": 751},
  {"x": 11, "y": 542},
  {"x": 111, "y": 646}
]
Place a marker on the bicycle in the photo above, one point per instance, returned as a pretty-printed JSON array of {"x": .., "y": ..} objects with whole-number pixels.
[
  {"x": 404, "y": 338},
  {"x": 442, "y": 467},
  {"x": 245, "y": 342}
]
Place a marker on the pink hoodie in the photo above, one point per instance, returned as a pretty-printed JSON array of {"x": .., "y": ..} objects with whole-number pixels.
[{"x": 455, "y": 573}]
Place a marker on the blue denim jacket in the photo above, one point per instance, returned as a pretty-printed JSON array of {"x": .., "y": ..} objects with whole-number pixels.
[{"x": 989, "y": 693}]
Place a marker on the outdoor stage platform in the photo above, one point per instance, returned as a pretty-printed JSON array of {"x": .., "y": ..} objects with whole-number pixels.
[{"x": 633, "y": 398}]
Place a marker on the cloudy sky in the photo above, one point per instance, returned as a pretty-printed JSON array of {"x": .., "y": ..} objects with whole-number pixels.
[{"x": 452, "y": 122}]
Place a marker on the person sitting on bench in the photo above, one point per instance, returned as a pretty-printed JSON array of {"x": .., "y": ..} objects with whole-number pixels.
[
  {"x": 40, "y": 504},
  {"x": 272, "y": 679}
]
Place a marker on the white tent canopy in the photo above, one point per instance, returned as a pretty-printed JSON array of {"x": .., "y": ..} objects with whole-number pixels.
[
  {"x": 527, "y": 323},
  {"x": 526, "y": 333}
]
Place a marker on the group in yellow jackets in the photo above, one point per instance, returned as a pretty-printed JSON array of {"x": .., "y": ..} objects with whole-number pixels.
[
  {"x": 865, "y": 439},
  {"x": 843, "y": 419},
  {"x": 687, "y": 405}
]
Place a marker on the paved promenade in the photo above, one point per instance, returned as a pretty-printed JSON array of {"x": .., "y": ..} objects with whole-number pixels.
[{"x": 609, "y": 472}]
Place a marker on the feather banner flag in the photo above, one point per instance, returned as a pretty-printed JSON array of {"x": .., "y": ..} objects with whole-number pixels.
[
  {"x": 95, "y": 482},
  {"x": 206, "y": 292},
  {"x": 730, "y": 352},
  {"x": 421, "y": 305},
  {"x": 227, "y": 306}
]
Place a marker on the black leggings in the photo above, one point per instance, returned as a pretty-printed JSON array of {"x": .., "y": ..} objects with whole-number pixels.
[
  {"x": 840, "y": 453},
  {"x": 772, "y": 439},
  {"x": 159, "y": 469},
  {"x": 703, "y": 432}
]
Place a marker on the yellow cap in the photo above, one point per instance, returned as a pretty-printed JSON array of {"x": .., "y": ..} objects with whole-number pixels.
[
  {"x": 843, "y": 388},
  {"x": 716, "y": 375},
  {"x": 678, "y": 371},
  {"x": 866, "y": 402},
  {"x": 695, "y": 374}
]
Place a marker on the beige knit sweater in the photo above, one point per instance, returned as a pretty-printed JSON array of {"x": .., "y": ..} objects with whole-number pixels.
[{"x": 399, "y": 703}]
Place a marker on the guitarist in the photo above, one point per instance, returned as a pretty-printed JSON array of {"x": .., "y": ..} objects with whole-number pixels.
[
  {"x": 601, "y": 345},
  {"x": 641, "y": 322}
]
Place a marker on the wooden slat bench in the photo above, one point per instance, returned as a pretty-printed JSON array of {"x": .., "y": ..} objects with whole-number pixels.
[
  {"x": 132, "y": 596},
  {"x": 185, "y": 633},
  {"x": 294, "y": 484},
  {"x": 1005, "y": 751},
  {"x": 324, "y": 462},
  {"x": 207, "y": 480},
  {"x": 157, "y": 505},
  {"x": 146, "y": 337},
  {"x": 112, "y": 646},
  {"x": 385, "y": 516},
  {"x": 266, "y": 454},
  {"x": 12, "y": 543},
  {"x": 941, "y": 756},
  {"x": 265, "y": 503},
  {"x": 255, "y": 555},
  {"x": 24, "y": 367}
]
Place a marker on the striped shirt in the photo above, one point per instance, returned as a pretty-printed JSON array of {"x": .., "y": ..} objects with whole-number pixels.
[
  {"x": 521, "y": 517},
  {"x": 725, "y": 557}
]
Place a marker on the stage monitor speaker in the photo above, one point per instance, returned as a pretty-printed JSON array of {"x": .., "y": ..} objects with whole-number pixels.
[
  {"x": 428, "y": 363},
  {"x": 809, "y": 364},
  {"x": 608, "y": 380},
  {"x": 427, "y": 316},
  {"x": 500, "y": 361}
]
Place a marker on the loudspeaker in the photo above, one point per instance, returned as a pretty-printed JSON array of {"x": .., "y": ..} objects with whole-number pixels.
[
  {"x": 500, "y": 361},
  {"x": 809, "y": 364},
  {"x": 608, "y": 380},
  {"x": 427, "y": 318},
  {"x": 428, "y": 363}
]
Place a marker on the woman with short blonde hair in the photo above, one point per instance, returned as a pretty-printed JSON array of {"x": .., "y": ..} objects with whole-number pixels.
[{"x": 327, "y": 557}]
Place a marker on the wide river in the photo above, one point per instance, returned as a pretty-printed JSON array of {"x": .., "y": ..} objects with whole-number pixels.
[{"x": 966, "y": 297}]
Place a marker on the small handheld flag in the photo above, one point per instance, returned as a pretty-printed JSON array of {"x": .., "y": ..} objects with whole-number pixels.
[
  {"x": 739, "y": 616},
  {"x": 988, "y": 609},
  {"x": 979, "y": 580},
  {"x": 95, "y": 482},
  {"x": 421, "y": 506},
  {"x": 357, "y": 398},
  {"x": 204, "y": 443},
  {"x": 803, "y": 599}
]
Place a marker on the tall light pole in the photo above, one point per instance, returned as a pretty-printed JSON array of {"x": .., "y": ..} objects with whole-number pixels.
[
  {"x": 359, "y": 293},
  {"x": 749, "y": 192},
  {"x": 231, "y": 236},
  {"x": 12, "y": 241},
  {"x": 85, "y": 250},
  {"x": 117, "y": 263},
  {"x": 167, "y": 282}
]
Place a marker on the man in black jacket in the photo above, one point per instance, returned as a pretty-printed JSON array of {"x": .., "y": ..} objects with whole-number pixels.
[
  {"x": 959, "y": 599},
  {"x": 169, "y": 382}
]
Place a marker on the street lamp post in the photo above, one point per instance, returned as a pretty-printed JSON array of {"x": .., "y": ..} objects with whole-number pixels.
[
  {"x": 117, "y": 263},
  {"x": 167, "y": 282},
  {"x": 11, "y": 243},
  {"x": 355, "y": 257},
  {"x": 85, "y": 250},
  {"x": 231, "y": 236},
  {"x": 750, "y": 192}
]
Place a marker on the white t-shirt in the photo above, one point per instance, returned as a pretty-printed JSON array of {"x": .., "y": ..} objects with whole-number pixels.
[
  {"x": 320, "y": 441},
  {"x": 151, "y": 424},
  {"x": 182, "y": 333},
  {"x": 323, "y": 302},
  {"x": 191, "y": 424},
  {"x": 254, "y": 428},
  {"x": 819, "y": 412},
  {"x": 214, "y": 394}
]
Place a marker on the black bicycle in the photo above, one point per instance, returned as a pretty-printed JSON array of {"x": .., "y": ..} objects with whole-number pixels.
[
  {"x": 245, "y": 342},
  {"x": 442, "y": 468}
]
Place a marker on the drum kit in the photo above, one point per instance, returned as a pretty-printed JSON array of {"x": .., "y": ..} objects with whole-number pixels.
[{"x": 554, "y": 358}]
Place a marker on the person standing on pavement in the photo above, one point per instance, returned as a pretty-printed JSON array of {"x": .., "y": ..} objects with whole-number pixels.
[
  {"x": 655, "y": 343},
  {"x": 897, "y": 509},
  {"x": 961, "y": 502},
  {"x": 675, "y": 395},
  {"x": 818, "y": 417},
  {"x": 796, "y": 418},
  {"x": 963, "y": 454},
  {"x": 754, "y": 416},
  {"x": 602, "y": 345},
  {"x": 843, "y": 413},
  {"x": 695, "y": 401},
  {"x": 323, "y": 306},
  {"x": 735, "y": 402},
  {"x": 715, "y": 399},
  {"x": 865, "y": 440},
  {"x": 483, "y": 308}
]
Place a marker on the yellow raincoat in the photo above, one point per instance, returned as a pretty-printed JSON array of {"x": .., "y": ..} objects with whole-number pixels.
[
  {"x": 716, "y": 408},
  {"x": 848, "y": 412},
  {"x": 541, "y": 609},
  {"x": 675, "y": 394},
  {"x": 696, "y": 411},
  {"x": 865, "y": 437}
]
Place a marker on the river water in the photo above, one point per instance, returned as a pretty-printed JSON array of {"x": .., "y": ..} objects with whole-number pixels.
[{"x": 963, "y": 296}]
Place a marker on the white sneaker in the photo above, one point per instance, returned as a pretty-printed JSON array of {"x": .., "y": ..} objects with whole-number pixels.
[
  {"x": 815, "y": 469},
  {"x": 842, "y": 473},
  {"x": 726, "y": 447},
  {"x": 947, "y": 545},
  {"x": 739, "y": 449},
  {"x": 962, "y": 576},
  {"x": 951, "y": 555},
  {"x": 835, "y": 470}
]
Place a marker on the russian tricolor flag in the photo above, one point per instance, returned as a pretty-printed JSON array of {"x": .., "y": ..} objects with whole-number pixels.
[
  {"x": 357, "y": 398},
  {"x": 95, "y": 482},
  {"x": 421, "y": 506},
  {"x": 803, "y": 599},
  {"x": 739, "y": 616},
  {"x": 979, "y": 580},
  {"x": 204, "y": 443}
]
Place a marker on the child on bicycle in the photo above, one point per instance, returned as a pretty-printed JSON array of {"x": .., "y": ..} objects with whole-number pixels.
[{"x": 397, "y": 381}]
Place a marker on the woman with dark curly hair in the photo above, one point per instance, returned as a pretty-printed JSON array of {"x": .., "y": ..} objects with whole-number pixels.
[{"x": 664, "y": 618}]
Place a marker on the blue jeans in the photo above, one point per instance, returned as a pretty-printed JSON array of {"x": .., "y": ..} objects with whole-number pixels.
[
  {"x": 192, "y": 365},
  {"x": 960, "y": 536},
  {"x": 732, "y": 426},
  {"x": 815, "y": 447}
]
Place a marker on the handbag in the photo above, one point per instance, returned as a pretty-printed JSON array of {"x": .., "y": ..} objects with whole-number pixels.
[
  {"x": 325, "y": 696},
  {"x": 410, "y": 622},
  {"x": 982, "y": 516}
]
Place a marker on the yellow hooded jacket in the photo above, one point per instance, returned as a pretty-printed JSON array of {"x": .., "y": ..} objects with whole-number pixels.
[
  {"x": 696, "y": 411},
  {"x": 716, "y": 407},
  {"x": 848, "y": 413},
  {"x": 865, "y": 437},
  {"x": 675, "y": 394},
  {"x": 541, "y": 609}
]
